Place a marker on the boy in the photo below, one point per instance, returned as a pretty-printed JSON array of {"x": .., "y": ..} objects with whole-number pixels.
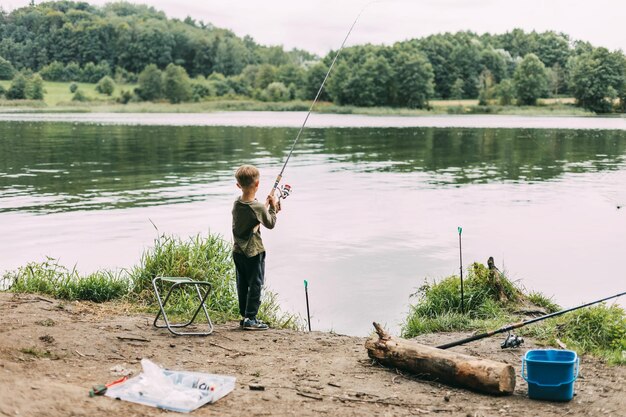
[{"x": 248, "y": 250}]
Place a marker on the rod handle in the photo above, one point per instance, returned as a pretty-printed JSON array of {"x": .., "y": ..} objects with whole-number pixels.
[{"x": 278, "y": 178}]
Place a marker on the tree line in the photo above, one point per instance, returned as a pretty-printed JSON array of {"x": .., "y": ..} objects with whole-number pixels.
[{"x": 183, "y": 60}]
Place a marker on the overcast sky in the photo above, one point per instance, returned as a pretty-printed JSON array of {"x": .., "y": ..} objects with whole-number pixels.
[{"x": 320, "y": 25}]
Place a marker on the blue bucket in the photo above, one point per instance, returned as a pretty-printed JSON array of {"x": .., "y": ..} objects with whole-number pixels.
[{"x": 550, "y": 374}]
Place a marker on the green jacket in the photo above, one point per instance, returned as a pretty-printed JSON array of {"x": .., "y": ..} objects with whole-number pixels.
[{"x": 247, "y": 218}]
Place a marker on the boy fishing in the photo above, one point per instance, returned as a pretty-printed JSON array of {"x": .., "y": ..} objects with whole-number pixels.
[{"x": 248, "y": 249}]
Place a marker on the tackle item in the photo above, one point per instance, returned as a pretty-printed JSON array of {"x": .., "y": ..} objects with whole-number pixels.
[
  {"x": 181, "y": 391},
  {"x": 101, "y": 389},
  {"x": 512, "y": 341},
  {"x": 306, "y": 294},
  {"x": 510, "y": 327}
]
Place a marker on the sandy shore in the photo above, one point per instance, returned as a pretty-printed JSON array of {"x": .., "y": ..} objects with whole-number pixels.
[{"x": 52, "y": 352}]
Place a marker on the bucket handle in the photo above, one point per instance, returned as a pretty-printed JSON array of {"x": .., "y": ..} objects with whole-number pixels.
[{"x": 577, "y": 368}]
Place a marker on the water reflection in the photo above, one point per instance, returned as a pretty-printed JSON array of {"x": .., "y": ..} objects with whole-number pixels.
[{"x": 57, "y": 167}]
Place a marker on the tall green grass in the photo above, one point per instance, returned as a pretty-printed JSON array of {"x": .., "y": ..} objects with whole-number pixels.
[
  {"x": 50, "y": 278},
  {"x": 599, "y": 330},
  {"x": 199, "y": 258},
  {"x": 439, "y": 304},
  {"x": 204, "y": 258}
]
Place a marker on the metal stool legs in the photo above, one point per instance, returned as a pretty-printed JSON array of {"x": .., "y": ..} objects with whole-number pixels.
[{"x": 176, "y": 284}]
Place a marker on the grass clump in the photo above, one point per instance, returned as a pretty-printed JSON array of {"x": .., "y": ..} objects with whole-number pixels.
[
  {"x": 439, "y": 304},
  {"x": 540, "y": 300},
  {"x": 201, "y": 259},
  {"x": 39, "y": 353},
  {"x": 51, "y": 278},
  {"x": 597, "y": 330}
]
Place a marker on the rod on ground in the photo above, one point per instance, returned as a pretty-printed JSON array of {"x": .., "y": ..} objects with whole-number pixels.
[
  {"x": 460, "y": 229},
  {"x": 510, "y": 327},
  {"x": 306, "y": 294}
]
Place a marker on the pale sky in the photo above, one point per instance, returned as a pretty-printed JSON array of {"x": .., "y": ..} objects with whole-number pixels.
[{"x": 320, "y": 25}]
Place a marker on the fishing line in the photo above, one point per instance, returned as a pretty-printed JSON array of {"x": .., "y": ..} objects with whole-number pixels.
[
  {"x": 319, "y": 92},
  {"x": 610, "y": 186}
]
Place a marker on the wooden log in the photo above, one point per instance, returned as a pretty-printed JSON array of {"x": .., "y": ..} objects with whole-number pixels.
[{"x": 481, "y": 375}]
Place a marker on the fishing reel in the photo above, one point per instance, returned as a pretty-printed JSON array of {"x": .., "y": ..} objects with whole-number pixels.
[
  {"x": 512, "y": 341},
  {"x": 284, "y": 191}
]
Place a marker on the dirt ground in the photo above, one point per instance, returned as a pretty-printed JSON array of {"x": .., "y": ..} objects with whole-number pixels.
[{"x": 52, "y": 352}]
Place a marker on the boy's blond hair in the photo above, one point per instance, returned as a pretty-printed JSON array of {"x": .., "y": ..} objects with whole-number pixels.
[{"x": 247, "y": 175}]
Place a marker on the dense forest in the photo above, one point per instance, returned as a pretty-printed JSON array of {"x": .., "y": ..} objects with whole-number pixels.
[{"x": 155, "y": 58}]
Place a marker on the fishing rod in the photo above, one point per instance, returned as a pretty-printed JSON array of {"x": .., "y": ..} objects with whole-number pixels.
[
  {"x": 319, "y": 92},
  {"x": 510, "y": 327}
]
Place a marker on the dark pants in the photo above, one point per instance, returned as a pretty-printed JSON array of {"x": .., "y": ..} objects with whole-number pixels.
[{"x": 250, "y": 278}]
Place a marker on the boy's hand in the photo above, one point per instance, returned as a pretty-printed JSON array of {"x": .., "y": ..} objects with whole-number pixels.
[{"x": 273, "y": 202}]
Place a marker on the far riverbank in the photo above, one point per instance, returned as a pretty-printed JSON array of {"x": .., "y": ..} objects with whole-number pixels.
[{"x": 294, "y": 119}]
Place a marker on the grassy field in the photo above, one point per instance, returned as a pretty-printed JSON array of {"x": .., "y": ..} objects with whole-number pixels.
[
  {"x": 58, "y": 98},
  {"x": 58, "y": 93}
]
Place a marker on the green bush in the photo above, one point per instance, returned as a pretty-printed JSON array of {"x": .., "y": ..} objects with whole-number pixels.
[
  {"x": 106, "y": 85},
  {"x": 79, "y": 96},
  {"x": 199, "y": 91},
  {"x": 92, "y": 73},
  {"x": 150, "y": 83},
  {"x": 17, "y": 90},
  {"x": 34, "y": 88},
  {"x": 125, "y": 97},
  {"x": 73, "y": 87},
  {"x": 505, "y": 92},
  {"x": 73, "y": 72},
  {"x": 276, "y": 91},
  {"x": 123, "y": 76},
  {"x": 176, "y": 84},
  {"x": 54, "y": 71},
  {"x": 6, "y": 69}
]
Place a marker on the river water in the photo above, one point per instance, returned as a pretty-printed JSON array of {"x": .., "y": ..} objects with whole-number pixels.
[{"x": 374, "y": 211}]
